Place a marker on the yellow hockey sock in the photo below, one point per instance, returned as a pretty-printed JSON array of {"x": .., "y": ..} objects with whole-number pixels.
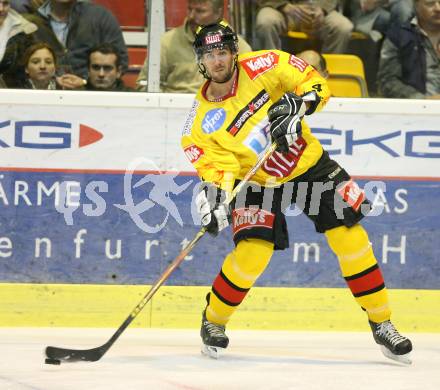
[
  {"x": 360, "y": 270},
  {"x": 240, "y": 270}
]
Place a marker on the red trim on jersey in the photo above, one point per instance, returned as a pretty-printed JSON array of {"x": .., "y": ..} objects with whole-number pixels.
[{"x": 231, "y": 93}]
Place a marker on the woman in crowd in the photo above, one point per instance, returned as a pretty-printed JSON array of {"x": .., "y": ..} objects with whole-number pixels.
[
  {"x": 15, "y": 36},
  {"x": 40, "y": 66}
]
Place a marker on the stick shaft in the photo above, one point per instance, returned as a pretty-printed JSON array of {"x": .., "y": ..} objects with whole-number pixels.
[{"x": 94, "y": 354}]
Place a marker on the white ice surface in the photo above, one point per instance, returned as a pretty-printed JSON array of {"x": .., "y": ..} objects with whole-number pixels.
[{"x": 171, "y": 360}]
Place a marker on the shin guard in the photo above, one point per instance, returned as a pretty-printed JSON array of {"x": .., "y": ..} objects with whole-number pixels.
[
  {"x": 360, "y": 270},
  {"x": 240, "y": 270}
]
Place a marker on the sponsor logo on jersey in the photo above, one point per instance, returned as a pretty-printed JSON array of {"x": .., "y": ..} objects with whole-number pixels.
[
  {"x": 210, "y": 39},
  {"x": 246, "y": 112},
  {"x": 283, "y": 164},
  {"x": 352, "y": 194},
  {"x": 298, "y": 63},
  {"x": 190, "y": 119},
  {"x": 256, "y": 66},
  {"x": 258, "y": 138},
  {"x": 47, "y": 134},
  {"x": 213, "y": 120},
  {"x": 246, "y": 218},
  {"x": 193, "y": 153}
]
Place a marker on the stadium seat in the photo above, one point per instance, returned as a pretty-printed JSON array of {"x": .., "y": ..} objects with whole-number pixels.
[
  {"x": 346, "y": 75},
  {"x": 297, "y": 41},
  {"x": 130, "y": 77},
  {"x": 131, "y": 15},
  {"x": 136, "y": 59},
  {"x": 136, "y": 56}
]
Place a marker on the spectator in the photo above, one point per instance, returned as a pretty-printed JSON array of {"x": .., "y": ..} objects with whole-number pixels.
[
  {"x": 23, "y": 6},
  {"x": 317, "y": 18},
  {"x": 40, "y": 66},
  {"x": 16, "y": 34},
  {"x": 178, "y": 71},
  {"x": 315, "y": 59},
  {"x": 370, "y": 17},
  {"x": 410, "y": 57},
  {"x": 72, "y": 28},
  {"x": 401, "y": 10},
  {"x": 105, "y": 70}
]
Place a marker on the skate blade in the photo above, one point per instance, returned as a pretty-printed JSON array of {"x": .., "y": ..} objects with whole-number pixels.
[
  {"x": 405, "y": 359},
  {"x": 212, "y": 352}
]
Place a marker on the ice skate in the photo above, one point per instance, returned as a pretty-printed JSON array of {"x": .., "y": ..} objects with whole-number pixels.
[
  {"x": 393, "y": 345},
  {"x": 214, "y": 338}
]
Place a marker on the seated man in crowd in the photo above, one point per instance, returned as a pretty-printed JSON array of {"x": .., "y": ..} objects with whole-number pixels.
[
  {"x": 369, "y": 16},
  {"x": 319, "y": 19},
  {"x": 16, "y": 34},
  {"x": 24, "y": 6},
  {"x": 178, "y": 70},
  {"x": 72, "y": 28},
  {"x": 105, "y": 70},
  {"x": 410, "y": 57},
  {"x": 400, "y": 10}
]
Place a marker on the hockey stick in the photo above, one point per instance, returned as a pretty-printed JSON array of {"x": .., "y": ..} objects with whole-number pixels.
[{"x": 55, "y": 354}]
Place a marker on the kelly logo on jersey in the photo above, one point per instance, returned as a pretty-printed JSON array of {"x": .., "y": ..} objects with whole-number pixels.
[
  {"x": 213, "y": 120},
  {"x": 245, "y": 218},
  {"x": 256, "y": 66}
]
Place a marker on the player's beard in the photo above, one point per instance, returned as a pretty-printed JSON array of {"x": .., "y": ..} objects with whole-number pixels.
[{"x": 226, "y": 77}]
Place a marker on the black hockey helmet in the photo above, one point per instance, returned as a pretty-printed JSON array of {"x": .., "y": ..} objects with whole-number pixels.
[{"x": 214, "y": 36}]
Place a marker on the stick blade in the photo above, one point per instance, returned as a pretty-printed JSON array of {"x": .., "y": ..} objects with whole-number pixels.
[{"x": 75, "y": 355}]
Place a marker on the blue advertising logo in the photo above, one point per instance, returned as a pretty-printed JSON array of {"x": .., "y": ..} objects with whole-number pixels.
[
  {"x": 416, "y": 143},
  {"x": 213, "y": 120},
  {"x": 46, "y": 135}
]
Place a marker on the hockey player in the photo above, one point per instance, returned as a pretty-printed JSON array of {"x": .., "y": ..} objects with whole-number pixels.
[{"x": 246, "y": 102}]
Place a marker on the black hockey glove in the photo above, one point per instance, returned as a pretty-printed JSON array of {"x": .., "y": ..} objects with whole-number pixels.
[
  {"x": 213, "y": 213},
  {"x": 285, "y": 120}
]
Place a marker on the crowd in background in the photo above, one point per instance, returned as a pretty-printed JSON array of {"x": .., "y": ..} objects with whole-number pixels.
[
  {"x": 60, "y": 44},
  {"x": 79, "y": 45}
]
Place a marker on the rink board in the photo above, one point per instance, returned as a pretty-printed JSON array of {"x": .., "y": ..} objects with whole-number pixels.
[
  {"x": 38, "y": 244},
  {"x": 127, "y": 191},
  {"x": 180, "y": 307}
]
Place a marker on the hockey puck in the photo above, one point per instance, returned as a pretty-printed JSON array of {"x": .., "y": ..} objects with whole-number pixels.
[{"x": 53, "y": 361}]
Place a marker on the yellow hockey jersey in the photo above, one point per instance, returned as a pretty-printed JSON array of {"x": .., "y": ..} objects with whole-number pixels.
[{"x": 223, "y": 139}]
